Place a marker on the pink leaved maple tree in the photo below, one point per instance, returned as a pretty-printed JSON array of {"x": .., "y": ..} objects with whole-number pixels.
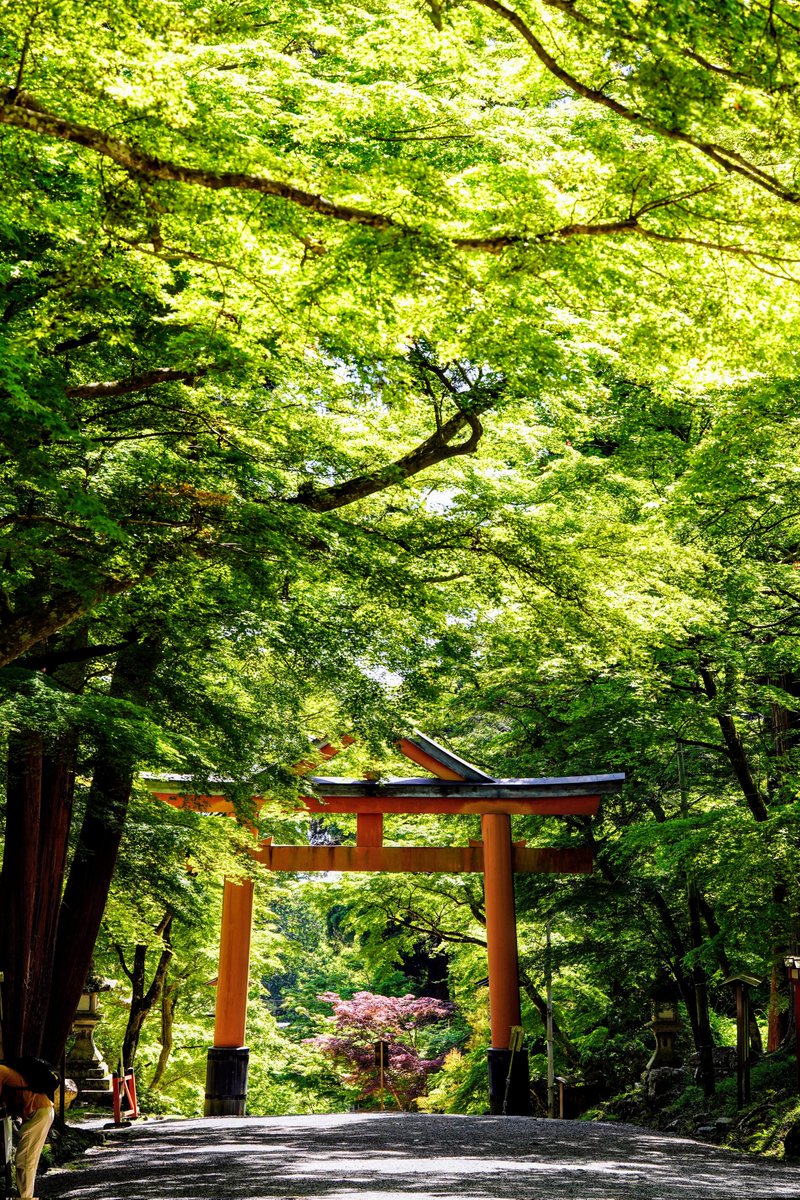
[{"x": 367, "y": 1018}]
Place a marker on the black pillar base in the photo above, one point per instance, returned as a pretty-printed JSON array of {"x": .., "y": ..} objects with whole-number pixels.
[
  {"x": 518, "y": 1103},
  {"x": 226, "y": 1081}
]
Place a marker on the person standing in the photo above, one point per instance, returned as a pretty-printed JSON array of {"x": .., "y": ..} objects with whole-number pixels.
[{"x": 37, "y": 1113}]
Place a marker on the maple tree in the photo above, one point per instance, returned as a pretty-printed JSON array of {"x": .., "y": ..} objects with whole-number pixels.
[{"x": 367, "y": 1019}]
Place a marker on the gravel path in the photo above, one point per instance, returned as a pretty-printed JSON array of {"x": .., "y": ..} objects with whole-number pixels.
[{"x": 412, "y": 1157}]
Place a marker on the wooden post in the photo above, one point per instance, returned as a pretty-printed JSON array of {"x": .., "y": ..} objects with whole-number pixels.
[
  {"x": 226, "y": 1075},
  {"x": 501, "y": 951},
  {"x": 369, "y": 829},
  {"x": 742, "y": 1041},
  {"x": 742, "y": 984}
]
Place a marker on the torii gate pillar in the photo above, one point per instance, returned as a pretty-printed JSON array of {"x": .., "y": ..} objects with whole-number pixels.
[
  {"x": 226, "y": 1071},
  {"x": 503, "y": 962}
]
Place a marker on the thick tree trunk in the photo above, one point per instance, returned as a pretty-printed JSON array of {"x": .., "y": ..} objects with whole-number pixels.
[
  {"x": 18, "y": 894},
  {"x": 40, "y": 791},
  {"x": 58, "y": 792},
  {"x": 39, "y": 801},
  {"x": 95, "y": 855}
]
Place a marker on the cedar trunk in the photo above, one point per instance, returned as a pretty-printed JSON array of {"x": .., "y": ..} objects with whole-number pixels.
[
  {"x": 95, "y": 855},
  {"x": 40, "y": 792}
]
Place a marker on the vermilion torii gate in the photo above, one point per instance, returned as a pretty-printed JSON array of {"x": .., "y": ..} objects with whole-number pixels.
[{"x": 456, "y": 787}]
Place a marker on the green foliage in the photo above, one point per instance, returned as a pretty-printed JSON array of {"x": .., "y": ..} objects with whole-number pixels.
[{"x": 263, "y": 271}]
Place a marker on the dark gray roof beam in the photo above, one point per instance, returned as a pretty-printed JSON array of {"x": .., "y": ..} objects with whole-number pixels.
[{"x": 494, "y": 789}]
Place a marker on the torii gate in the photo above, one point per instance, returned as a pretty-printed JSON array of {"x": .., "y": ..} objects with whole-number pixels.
[{"x": 457, "y": 787}]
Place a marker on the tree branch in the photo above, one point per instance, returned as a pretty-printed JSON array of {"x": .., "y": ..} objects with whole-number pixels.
[
  {"x": 728, "y": 160},
  {"x": 136, "y": 383},
  {"x": 627, "y": 225},
  {"x": 154, "y": 991},
  {"x": 433, "y": 450},
  {"x": 24, "y": 112},
  {"x": 568, "y": 8},
  {"x": 736, "y": 752},
  {"x": 121, "y": 956},
  {"x": 56, "y": 658},
  {"x": 495, "y": 245},
  {"x": 21, "y": 632},
  {"x": 703, "y": 745}
]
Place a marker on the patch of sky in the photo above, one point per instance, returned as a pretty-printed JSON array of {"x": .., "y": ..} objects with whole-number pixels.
[
  {"x": 441, "y": 500},
  {"x": 321, "y": 472},
  {"x": 382, "y": 675},
  {"x": 466, "y": 620}
]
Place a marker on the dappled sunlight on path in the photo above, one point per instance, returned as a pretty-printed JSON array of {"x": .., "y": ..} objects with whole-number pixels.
[{"x": 413, "y": 1157}]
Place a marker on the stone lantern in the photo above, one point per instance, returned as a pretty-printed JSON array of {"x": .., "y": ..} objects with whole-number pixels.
[
  {"x": 85, "y": 1063},
  {"x": 666, "y": 1022}
]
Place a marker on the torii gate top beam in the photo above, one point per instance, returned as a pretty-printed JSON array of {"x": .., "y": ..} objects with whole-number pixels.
[{"x": 459, "y": 787}]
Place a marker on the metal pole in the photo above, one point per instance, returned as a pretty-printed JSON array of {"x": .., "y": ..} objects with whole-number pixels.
[{"x": 551, "y": 1084}]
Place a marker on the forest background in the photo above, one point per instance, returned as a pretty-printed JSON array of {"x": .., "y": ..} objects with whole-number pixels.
[{"x": 380, "y": 365}]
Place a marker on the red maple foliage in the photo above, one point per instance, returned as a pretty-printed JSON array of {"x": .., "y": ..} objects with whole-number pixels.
[{"x": 368, "y": 1018}]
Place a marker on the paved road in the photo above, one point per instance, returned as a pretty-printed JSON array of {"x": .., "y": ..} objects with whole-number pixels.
[{"x": 412, "y": 1157}]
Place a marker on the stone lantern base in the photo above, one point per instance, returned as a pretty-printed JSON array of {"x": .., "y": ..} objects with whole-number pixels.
[{"x": 85, "y": 1063}]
